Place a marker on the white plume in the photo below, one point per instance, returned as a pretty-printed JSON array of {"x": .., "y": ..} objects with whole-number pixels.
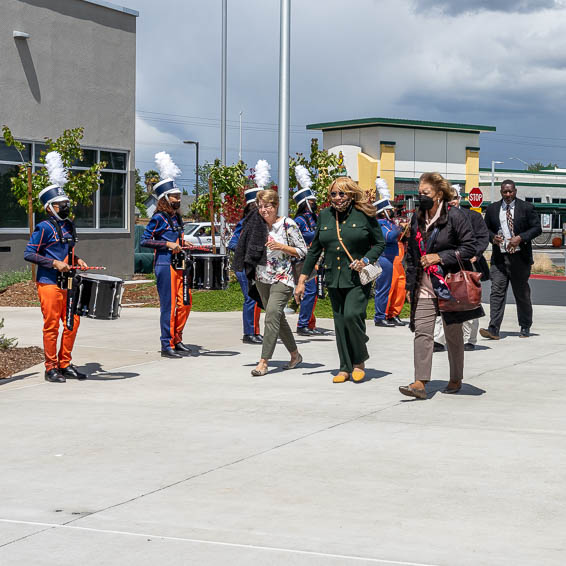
[
  {"x": 303, "y": 176},
  {"x": 56, "y": 169},
  {"x": 167, "y": 169},
  {"x": 458, "y": 190},
  {"x": 382, "y": 188},
  {"x": 262, "y": 175}
]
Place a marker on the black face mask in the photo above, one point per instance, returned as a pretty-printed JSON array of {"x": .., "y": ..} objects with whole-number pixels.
[
  {"x": 175, "y": 205},
  {"x": 64, "y": 211},
  {"x": 425, "y": 203}
]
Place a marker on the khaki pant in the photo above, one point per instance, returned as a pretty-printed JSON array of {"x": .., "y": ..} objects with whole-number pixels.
[
  {"x": 425, "y": 316},
  {"x": 275, "y": 298}
]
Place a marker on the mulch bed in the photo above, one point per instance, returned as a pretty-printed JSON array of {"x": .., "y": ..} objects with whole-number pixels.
[
  {"x": 15, "y": 360},
  {"x": 25, "y": 295}
]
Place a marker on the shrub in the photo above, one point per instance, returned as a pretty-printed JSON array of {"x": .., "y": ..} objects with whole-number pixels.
[{"x": 6, "y": 343}]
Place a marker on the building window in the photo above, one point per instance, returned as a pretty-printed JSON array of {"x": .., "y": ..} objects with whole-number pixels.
[
  {"x": 533, "y": 199},
  {"x": 109, "y": 203}
]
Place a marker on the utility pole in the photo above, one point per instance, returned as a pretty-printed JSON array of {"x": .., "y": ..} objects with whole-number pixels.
[
  {"x": 223, "y": 113},
  {"x": 240, "y": 152},
  {"x": 284, "y": 105}
]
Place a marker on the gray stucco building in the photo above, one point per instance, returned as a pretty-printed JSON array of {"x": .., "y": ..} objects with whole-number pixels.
[{"x": 76, "y": 68}]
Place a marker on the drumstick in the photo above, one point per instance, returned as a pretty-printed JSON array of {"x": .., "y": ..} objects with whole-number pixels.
[{"x": 96, "y": 267}]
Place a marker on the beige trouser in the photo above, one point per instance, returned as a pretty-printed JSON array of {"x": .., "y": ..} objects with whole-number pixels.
[
  {"x": 425, "y": 316},
  {"x": 275, "y": 298}
]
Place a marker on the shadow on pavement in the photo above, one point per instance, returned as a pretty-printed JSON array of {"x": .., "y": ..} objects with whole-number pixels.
[
  {"x": 17, "y": 377},
  {"x": 370, "y": 373},
  {"x": 437, "y": 386},
  {"x": 96, "y": 372}
]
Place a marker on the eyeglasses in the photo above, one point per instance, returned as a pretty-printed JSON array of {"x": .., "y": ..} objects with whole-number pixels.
[
  {"x": 262, "y": 205},
  {"x": 335, "y": 194}
]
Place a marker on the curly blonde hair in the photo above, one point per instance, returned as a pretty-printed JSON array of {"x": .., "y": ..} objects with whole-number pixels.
[
  {"x": 359, "y": 196},
  {"x": 268, "y": 196}
]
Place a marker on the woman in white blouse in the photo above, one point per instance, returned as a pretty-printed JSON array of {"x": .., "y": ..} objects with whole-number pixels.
[{"x": 275, "y": 281}]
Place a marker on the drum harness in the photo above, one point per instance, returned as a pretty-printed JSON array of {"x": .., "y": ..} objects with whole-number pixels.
[
  {"x": 181, "y": 260},
  {"x": 65, "y": 280}
]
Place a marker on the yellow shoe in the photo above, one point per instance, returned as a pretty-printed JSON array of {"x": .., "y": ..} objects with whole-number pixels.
[
  {"x": 358, "y": 374},
  {"x": 341, "y": 377}
]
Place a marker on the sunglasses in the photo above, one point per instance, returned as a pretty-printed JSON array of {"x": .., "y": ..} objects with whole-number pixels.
[{"x": 335, "y": 194}]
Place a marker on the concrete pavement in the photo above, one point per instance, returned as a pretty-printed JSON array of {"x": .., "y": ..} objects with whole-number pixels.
[{"x": 193, "y": 461}]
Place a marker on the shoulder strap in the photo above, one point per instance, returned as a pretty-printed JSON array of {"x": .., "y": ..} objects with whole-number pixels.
[
  {"x": 340, "y": 239},
  {"x": 57, "y": 228},
  {"x": 430, "y": 242}
]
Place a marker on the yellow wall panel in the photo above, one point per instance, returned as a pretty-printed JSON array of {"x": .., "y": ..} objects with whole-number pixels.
[
  {"x": 388, "y": 166},
  {"x": 472, "y": 169},
  {"x": 367, "y": 172}
]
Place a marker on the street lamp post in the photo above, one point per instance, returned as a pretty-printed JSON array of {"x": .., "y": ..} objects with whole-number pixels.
[
  {"x": 493, "y": 164},
  {"x": 517, "y": 159},
  {"x": 195, "y": 143}
]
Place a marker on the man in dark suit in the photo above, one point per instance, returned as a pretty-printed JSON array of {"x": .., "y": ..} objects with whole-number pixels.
[{"x": 512, "y": 224}]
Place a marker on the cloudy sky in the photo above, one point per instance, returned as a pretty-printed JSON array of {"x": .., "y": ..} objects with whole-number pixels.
[{"x": 501, "y": 63}]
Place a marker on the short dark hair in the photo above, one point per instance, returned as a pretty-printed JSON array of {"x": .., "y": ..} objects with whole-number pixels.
[{"x": 509, "y": 182}]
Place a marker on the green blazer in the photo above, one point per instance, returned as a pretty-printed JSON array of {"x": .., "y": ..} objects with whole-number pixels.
[{"x": 362, "y": 236}]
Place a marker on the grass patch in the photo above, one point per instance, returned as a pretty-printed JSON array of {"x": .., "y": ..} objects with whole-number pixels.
[
  {"x": 12, "y": 277},
  {"x": 219, "y": 301}
]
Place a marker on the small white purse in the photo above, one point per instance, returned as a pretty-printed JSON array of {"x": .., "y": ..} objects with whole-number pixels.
[{"x": 370, "y": 272}]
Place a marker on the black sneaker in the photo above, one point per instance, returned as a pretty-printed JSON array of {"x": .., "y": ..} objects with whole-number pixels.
[
  {"x": 180, "y": 348},
  {"x": 468, "y": 346},
  {"x": 438, "y": 347},
  {"x": 525, "y": 332},
  {"x": 54, "y": 376},
  {"x": 71, "y": 372},
  {"x": 304, "y": 331},
  {"x": 384, "y": 322},
  {"x": 170, "y": 353}
]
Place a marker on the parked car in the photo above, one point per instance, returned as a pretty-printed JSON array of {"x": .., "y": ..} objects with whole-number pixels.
[{"x": 200, "y": 234}]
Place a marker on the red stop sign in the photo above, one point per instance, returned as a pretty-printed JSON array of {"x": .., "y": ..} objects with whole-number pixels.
[{"x": 475, "y": 197}]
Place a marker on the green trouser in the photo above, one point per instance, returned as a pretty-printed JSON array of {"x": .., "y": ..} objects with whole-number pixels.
[
  {"x": 275, "y": 298},
  {"x": 349, "y": 308}
]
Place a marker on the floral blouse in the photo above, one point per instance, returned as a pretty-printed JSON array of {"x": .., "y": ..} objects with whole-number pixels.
[{"x": 279, "y": 267}]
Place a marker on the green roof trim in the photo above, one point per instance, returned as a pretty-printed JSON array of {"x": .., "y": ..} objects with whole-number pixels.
[
  {"x": 524, "y": 171},
  {"x": 400, "y": 122},
  {"x": 388, "y": 143},
  {"x": 416, "y": 180},
  {"x": 520, "y": 184},
  {"x": 473, "y": 148}
]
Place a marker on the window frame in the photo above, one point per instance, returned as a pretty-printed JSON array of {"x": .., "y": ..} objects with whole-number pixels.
[{"x": 96, "y": 200}]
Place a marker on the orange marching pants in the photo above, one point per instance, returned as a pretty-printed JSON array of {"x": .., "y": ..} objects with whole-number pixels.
[
  {"x": 396, "y": 298},
  {"x": 53, "y": 306}
]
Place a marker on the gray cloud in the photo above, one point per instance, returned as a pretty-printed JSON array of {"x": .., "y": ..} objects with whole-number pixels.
[{"x": 457, "y": 7}]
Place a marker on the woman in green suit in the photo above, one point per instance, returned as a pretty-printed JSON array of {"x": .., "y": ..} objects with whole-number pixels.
[{"x": 351, "y": 218}]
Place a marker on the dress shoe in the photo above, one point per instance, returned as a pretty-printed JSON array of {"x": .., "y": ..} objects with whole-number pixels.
[
  {"x": 304, "y": 331},
  {"x": 54, "y": 376},
  {"x": 260, "y": 372},
  {"x": 182, "y": 349},
  {"x": 341, "y": 377},
  {"x": 71, "y": 372},
  {"x": 468, "y": 346},
  {"x": 438, "y": 347},
  {"x": 384, "y": 322},
  {"x": 452, "y": 387},
  {"x": 170, "y": 353},
  {"x": 410, "y": 391},
  {"x": 397, "y": 321},
  {"x": 318, "y": 331},
  {"x": 525, "y": 332},
  {"x": 489, "y": 333},
  {"x": 252, "y": 339},
  {"x": 293, "y": 365}
]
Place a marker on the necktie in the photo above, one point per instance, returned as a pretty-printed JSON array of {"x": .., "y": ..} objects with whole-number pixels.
[{"x": 509, "y": 220}]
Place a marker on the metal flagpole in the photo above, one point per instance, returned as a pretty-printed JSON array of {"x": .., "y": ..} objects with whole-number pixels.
[
  {"x": 284, "y": 96},
  {"x": 223, "y": 111}
]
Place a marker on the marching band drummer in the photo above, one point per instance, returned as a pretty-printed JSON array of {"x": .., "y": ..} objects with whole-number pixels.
[
  {"x": 51, "y": 247},
  {"x": 164, "y": 233}
]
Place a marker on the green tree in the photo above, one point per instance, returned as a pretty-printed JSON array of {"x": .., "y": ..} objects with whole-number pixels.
[
  {"x": 151, "y": 177},
  {"x": 81, "y": 185},
  {"x": 538, "y": 166},
  {"x": 141, "y": 195}
]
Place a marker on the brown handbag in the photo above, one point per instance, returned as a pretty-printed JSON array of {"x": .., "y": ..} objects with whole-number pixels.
[{"x": 465, "y": 288}]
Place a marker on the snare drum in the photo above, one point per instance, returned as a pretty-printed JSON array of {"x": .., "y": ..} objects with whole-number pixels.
[
  {"x": 99, "y": 296},
  {"x": 210, "y": 272}
]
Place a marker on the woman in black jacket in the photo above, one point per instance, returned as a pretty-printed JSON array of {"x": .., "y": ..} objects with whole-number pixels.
[{"x": 438, "y": 231}]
